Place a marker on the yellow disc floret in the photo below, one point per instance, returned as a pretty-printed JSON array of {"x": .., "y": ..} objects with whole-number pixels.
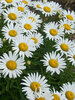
[
  {"x": 69, "y": 95},
  {"x": 35, "y": 40},
  {"x": 64, "y": 47},
  {"x": 23, "y": 47},
  {"x": 27, "y": 26},
  {"x": 9, "y": 1},
  {"x": 47, "y": 9},
  {"x": 33, "y": 19},
  {"x": 12, "y": 16},
  {"x": 56, "y": 97},
  {"x": 69, "y": 17},
  {"x": 74, "y": 57},
  {"x": 67, "y": 26},
  {"x": 35, "y": 86},
  {"x": 38, "y": 6},
  {"x": 53, "y": 32},
  {"x": 25, "y": 2},
  {"x": 12, "y": 33},
  {"x": 53, "y": 63},
  {"x": 41, "y": 98},
  {"x": 21, "y": 9},
  {"x": 11, "y": 65}
]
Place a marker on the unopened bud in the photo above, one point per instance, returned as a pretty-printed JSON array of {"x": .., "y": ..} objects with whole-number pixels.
[
  {"x": 4, "y": 40},
  {"x": 29, "y": 62},
  {"x": 60, "y": 16},
  {"x": 44, "y": 1}
]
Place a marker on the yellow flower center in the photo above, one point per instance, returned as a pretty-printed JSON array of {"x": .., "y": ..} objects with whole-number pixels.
[
  {"x": 38, "y": 6},
  {"x": 35, "y": 40},
  {"x": 9, "y": 1},
  {"x": 25, "y": 2},
  {"x": 70, "y": 95},
  {"x": 67, "y": 26},
  {"x": 23, "y": 47},
  {"x": 21, "y": 9},
  {"x": 27, "y": 26},
  {"x": 11, "y": 65},
  {"x": 56, "y": 97},
  {"x": 47, "y": 9},
  {"x": 74, "y": 57},
  {"x": 41, "y": 98},
  {"x": 33, "y": 19},
  {"x": 53, "y": 63},
  {"x": 53, "y": 32},
  {"x": 69, "y": 17},
  {"x": 35, "y": 86},
  {"x": 12, "y": 16},
  {"x": 12, "y": 33},
  {"x": 64, "y": 47}
]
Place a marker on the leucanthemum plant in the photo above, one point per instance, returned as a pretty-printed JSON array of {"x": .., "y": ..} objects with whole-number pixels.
[
  {"x": 11, "y": 31},
  {"x": 7, "y": 2},
  {"x": 11, "y": 65},
  {"x": 54, "y": 63},
  {"x": 38, "y": 5},
  {"x": 69, "y": 15},
  {"x": 47, "y": 10},
  {"x": 56, "y": 95},
  {"x": 26, "y": 2},
  {"x": 34, "y": 82},
  {"x": 66, "y": 26},
  {"x": 11, "y": 15},
  {"x": 52, "y": 31},
  {"x": 27, "y": 25},
  {"x": 21, "y": 7},
  {"x": 64, "y": 46},
  {"x": 37, "y": 38},
  {"x": 24, "y": 46},
  {"x": 37, "y": 57},
  {"x": 68, "y": 91}
]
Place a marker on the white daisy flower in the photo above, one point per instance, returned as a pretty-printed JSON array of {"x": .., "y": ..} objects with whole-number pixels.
[
  {"x": 47, "y": 10},
  {"x": 1, "y": 43},
  {"x": 71, "y": 56},
  {"x": 66, "y": 26},
  {"x": 26, "y": 2},
  {"x": 57, "y": 7},
  {"x": 52, "y": 31},
  {"x": 64, "y": 46},
  {"x": 34, "y": 17},
  {"x": 54, "y": 62},
  {"x": 69, "y": 15},
  {"x": 34, "y": 82},
  {"x": 40, "y": 96},
  {"x": 11, "y": 65},
  {"x": 24, "y": 46},
  {"x": 68, "y": 91},
  {"x": 21, "y": 7},
  {"x": 56, "y": 95},
  {"x": 38, "y": 5},
  {"x": 37, "y": 38},
  {"x": 27, "y": 25},
  {"x": 10, "y": 31},
  {"x": 8, "y": 2},
  {"x": 11, "y": 15}
]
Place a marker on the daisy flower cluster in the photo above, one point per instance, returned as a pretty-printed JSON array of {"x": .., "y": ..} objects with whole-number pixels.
[{"x": 36, "y": 51}]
